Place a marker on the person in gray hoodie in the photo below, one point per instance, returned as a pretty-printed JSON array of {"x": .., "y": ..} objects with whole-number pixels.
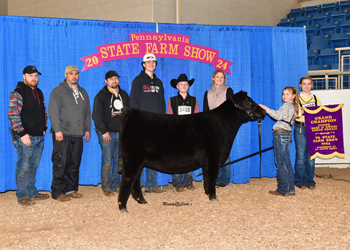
[{"x": 70, "y": 116}]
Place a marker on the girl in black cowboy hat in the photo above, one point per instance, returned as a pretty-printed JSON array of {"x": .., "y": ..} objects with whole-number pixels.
[{"x": 182, "y": 104}]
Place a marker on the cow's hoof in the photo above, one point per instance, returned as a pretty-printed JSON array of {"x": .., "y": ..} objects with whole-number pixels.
[
  {"x": 124, "y": 210},
  {"x": 142, "y": 201},
  {"x": 213, "y": 199}
]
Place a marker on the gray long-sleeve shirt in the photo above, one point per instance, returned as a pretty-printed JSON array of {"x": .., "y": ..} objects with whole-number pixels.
[
  {"x": 69, "y": 114},
  {"x": 284, "y": 115}
]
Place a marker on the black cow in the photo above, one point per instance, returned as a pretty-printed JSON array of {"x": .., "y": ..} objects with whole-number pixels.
[{"x": 178, "y": 144}]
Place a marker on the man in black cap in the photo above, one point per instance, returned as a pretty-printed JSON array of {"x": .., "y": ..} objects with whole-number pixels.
[
  {"x": 28, "y": 118},
  {"x": 182, "y": 104},
  {"x": 108, "y": 106}
]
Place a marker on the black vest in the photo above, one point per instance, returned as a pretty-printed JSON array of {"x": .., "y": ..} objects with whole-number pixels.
[
  {"x": 32, "y": 114},
  {"x": 177, "y": 101}
]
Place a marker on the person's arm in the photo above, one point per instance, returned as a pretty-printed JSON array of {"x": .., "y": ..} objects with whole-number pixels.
[
  {"x": 134, "y": 94},
  {"x": 87, "y": 119},
  {"x": 45, "y": 115},
  {"x": 97, "y": 115},
  {"x": 54, "y": 111},
  {"x": 169, "y": 110},
  {"x": 196, "y": 107},
  {"x": 162, "y": 99},
  {"x": 14, "y": 113},
  {"x": 205, "y": 102}
]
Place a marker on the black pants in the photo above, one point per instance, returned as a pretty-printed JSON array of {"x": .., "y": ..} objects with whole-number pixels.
[{"x": 66, "y": 158}]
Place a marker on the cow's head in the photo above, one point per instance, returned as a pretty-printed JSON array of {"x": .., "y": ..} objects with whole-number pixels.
[{"x": 243, "y": 102}]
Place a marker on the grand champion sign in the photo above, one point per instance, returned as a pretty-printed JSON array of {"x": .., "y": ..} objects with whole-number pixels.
[
  {"x": 159, "y": 44},
  {"x": 324, "y": 131}
]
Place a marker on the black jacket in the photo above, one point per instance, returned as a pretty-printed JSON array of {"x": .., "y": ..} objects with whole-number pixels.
[
  {"x": 106, "y": 110},
  {"x": 147, "y": 93},
  {"x": 33, "y": 110}
]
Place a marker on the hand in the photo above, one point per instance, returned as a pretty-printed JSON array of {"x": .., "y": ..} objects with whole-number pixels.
[
  {"x": 26, "y": 140},
  {"x": 106, "y": 138},
  {"x": 87, "y": 136},
  {"x": 263, "y": 107},
  {"x": 59, "y": 136},
  {"x": 44, "y": 132}
]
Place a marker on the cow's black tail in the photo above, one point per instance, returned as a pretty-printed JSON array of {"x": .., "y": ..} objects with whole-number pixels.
[{"x": 120, "y": 168}]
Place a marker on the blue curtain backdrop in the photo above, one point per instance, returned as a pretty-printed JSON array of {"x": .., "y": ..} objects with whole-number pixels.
[{"x": 265, "y": 60}]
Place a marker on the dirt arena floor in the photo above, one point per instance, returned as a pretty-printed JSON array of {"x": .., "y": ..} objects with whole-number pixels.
[{"x": 244, "y": 217}]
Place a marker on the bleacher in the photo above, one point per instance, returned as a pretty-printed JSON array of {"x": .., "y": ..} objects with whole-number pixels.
[{"x": 327, "y": 38}]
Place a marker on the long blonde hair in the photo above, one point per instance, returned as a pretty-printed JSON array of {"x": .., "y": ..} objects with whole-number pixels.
[{"x": 294, "y": 91}]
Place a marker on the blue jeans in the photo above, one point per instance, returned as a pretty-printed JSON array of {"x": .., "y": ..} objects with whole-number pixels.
[
  {"x": 285, "y": 173},
  {"x": 304, "y": 167},
  {"x": 224, "y": 173},
  {"x": 28, "y": 160},
  {"x": 110, "y": 179},
  {"x": 184, "y": 179},
  {"x": 151, "y": 179}
]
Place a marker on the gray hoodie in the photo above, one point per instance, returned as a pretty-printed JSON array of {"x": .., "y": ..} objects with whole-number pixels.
[{"x": 68, "y": 114}]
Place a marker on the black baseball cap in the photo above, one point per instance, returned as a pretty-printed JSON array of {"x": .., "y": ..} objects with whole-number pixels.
[
  {"x": 30, "y": 70},
  {"x": 111, "y": 73}
]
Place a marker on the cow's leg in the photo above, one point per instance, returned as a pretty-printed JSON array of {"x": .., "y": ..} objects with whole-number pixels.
[
  {"x": 136, "y": 191},
  {"x": 210, "y": 176}
]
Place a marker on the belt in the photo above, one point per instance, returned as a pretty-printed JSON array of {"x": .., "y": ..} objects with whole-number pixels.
[
  {"x": 280, "y": 130},
  {"x": 299, "y": 123}
]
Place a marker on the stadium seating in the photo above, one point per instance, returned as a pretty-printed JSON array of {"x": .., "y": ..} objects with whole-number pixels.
[
  {"x": 339, "y": 40},
  {"x": 312, "y": 10},
  {"x": 320, "y": 18},
  {"x": 327, "y": 56},
  {"x": 344, "y": 5},
  {"x": 329, "y": 28},
  {"x": 345, "y": 26},
  {"x": 339, "y": 15},
  {"x": 330, "y": 7},
  {"x": 319, "y": 42},
  {"x": 312, "y": 56}
]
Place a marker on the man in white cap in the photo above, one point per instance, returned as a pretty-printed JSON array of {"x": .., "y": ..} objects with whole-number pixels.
[
  {"x": 70, "y": 115},
  {"x": 147, "y": 93}
]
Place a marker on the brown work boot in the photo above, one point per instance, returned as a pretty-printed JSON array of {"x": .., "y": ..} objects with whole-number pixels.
[
  {"x": 75, "y": 195},
  {"x": 63, "y": 198},
  {"x": 190, "y": 186},
  {"x": 41, "y": 196},
  {"x": 108, "y": 193},
  {"x": 156, "y": 190},
  {"x": 26, "y": 202},
  {"x": 180, "y": 189}
]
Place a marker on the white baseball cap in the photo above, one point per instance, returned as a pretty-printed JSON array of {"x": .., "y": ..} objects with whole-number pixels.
[{"x": 149, "y": 57}]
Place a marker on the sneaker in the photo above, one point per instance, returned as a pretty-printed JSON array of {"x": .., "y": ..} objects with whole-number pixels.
[
  {"x": 222, "y": 185},
  {"x": 41, "y": 196},
  {"x": 311, "y": 187},
  {"x": 180, "y": 189},
  {"x": 63, "y": 198},
  {"x": 190, "y": 186},
  {"x": 26, "y": 202},
  {"x": 75, "y": 195},
  {"x": 108, "y": 193}
]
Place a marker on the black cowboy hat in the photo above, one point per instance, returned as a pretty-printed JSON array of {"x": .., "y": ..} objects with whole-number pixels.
[{"x": 181, "y": 78}]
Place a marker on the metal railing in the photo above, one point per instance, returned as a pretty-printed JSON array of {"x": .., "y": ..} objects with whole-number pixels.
[{"x": 334, "y": 78}]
